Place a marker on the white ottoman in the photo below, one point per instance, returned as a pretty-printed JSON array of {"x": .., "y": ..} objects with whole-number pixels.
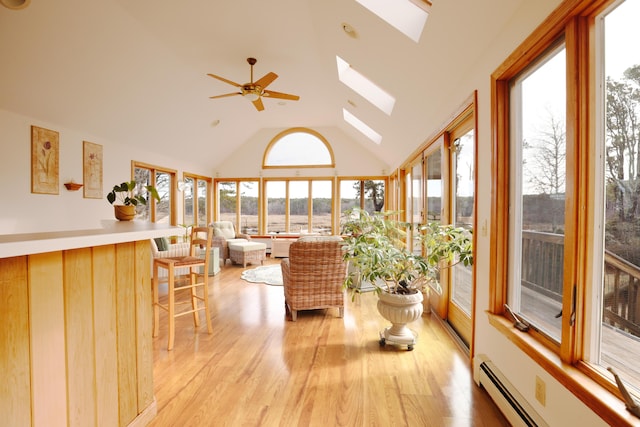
[{"x": 246, "y": 252}]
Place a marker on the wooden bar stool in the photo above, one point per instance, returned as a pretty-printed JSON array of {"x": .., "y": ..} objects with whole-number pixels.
[{"x": 198, "y": 278}]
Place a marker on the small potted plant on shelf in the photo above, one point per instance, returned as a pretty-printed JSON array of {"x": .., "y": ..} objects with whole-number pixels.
[
  {"x": 376, "y": 250},
  {"x": 126, "y": 196}
]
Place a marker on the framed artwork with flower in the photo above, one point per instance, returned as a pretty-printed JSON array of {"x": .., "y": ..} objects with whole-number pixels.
[
  {"x": 92, "y": 170},
  {"x": 45, "y": 161}
]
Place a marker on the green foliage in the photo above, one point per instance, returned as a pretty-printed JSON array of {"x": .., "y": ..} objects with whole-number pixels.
[
  {"x": 375, "y": 245},
  {"x": 125, "y": 194}
]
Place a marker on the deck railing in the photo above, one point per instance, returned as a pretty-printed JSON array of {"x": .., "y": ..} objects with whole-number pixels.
[{"x": 542, "y": 271}]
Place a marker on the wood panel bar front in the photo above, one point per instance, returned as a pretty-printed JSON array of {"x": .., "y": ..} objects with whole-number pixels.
[{"x": 75, "y": 340}]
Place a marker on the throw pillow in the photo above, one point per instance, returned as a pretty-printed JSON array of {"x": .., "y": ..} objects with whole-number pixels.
[{"x": 162, "y": 243}]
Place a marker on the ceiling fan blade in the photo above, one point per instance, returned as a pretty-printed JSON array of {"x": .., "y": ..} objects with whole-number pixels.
[
  {"x": 280, "y": 95},
  {"x": 225, "y": 95},
  {"x": 266, "y": 80},
  {"x": 224, "y": 80},
  {"x": 258, "y": 104}
]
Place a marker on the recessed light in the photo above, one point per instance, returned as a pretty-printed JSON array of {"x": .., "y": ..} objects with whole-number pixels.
[{"x": 349, "y": 30}]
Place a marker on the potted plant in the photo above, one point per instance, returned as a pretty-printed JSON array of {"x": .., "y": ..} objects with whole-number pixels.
[
  {"x": 376, "y": 250},
  {"x": 126, "y": 196}
]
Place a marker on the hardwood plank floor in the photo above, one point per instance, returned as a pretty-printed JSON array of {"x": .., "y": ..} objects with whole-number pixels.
[{"x": 260, "y": 369}]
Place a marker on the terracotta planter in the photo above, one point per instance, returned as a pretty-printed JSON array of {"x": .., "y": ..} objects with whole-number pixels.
[
  {"x": 399, "y": 310},
  {"x": 124, "y": 213}
]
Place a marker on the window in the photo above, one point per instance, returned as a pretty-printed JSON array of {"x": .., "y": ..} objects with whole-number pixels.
[
  {"x": 538, "y": 173},
  {"x": 238, "y": 201},
  {"x": 367, "y": 194},
  {"x": 364, "y": 87},
  {"x": 164, "y": 180},
  {"x": 615, "y": 331},
  {"x": 299, "y": 206},
  {"x": 566, "y": 114},
  {"x": 361, "y": 126},
  {"x": 406, "y": 16},
  {"x": 196, "y": 200},
  {"x": 227, "y": 201},
  {"x": 322, "y": 206},
  {"x": 463, "y": 194},
  {"x": 298, "y": 148}
]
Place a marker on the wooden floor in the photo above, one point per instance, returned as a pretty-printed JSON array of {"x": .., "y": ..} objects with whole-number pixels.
[{"x": 260, "y": 369}]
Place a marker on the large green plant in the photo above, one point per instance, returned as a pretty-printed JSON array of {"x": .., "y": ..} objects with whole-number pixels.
[
  {"x": 126, "y": 194},
  {"x": 375, "y": 246}
]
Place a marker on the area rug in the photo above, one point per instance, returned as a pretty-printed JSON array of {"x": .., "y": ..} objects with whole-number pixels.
[{"x": 269, "y": 274}]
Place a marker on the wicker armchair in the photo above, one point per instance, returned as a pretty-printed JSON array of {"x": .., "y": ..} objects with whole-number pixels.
[
  {"x": 313, "y": 275},
  {"x": 224, "y": 233}
]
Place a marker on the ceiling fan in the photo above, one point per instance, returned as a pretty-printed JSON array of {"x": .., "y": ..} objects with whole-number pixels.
[{"x": 254, "y": 91}]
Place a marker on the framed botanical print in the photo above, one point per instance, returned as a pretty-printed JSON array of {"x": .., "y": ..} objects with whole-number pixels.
[
  {"x": 45, "y": 161},
  {"x": 92, "y": 170}
]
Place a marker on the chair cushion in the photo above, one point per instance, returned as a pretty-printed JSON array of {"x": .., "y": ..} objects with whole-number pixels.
[
  {"x": 232, "y": 241},
  {"x": 247, "y": 246},
  {"x": 224, "y": 229},
  {"x": 162, "y": 243}
]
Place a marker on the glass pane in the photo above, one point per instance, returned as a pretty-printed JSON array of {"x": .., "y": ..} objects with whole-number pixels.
[
  {"x": 416, "y": 202},
  {"x": 349, "y": 195},
  {"x": 620, "y": 308},
  {"x": 463, "y": 191},
  {"x": 538, "y": 102},
  {"x": 298, "y": 148},
  {"x": 321, "y": 192},
  {"x": 298, "y": 206},
  {"x": 163, "y": 207},
  {"x": 188, "y": 201},
  {"x": 249, "y": 207},
  {"x": 276, "y": 197},
  {"x": 374, "y": 195},
  {"x": 227, "y": 196},
  {"x": 203, "y": 202},
  {"x": 142, "y": 178},
  {"x": 434, "y": 186}
]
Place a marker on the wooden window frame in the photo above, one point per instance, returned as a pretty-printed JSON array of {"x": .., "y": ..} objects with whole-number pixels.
[{"x": 575, "y": 21}]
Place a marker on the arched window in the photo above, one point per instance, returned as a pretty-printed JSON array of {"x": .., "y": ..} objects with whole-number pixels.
[{"x": 298, "y": 148}]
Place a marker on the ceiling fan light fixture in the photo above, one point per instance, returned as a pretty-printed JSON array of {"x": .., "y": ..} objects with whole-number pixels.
[
  {"x": 251, "y": 96},
  {"x": 15, "y": 4}
]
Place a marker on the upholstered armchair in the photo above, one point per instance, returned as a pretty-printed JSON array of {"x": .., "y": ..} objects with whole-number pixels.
[
  {"x": 313, "y": 275},
  {"x": 224, "y": 233}
]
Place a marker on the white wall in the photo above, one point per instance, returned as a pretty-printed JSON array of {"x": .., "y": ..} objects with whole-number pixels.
[
  {"x": 351, "y": 159},
  {"x": 22, "y": 212}
]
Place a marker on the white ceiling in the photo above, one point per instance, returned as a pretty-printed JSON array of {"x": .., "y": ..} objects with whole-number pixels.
[{"x": 135, "y": 71}]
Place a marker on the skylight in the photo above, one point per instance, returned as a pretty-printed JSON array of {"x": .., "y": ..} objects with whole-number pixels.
[
  {"x": 365, "y": 87},
  {"x": 404, "y": 15},
  {"x": 359, "y": 124}
]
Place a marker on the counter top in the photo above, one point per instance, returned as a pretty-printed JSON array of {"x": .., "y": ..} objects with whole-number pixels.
[{"x": 112, "y": 231}]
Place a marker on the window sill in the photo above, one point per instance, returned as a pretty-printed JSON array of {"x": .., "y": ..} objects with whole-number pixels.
[{"x": 601, "y": 401}]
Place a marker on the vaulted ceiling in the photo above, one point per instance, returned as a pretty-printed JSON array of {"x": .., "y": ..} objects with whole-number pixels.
[{"x": 135, "y": 71}]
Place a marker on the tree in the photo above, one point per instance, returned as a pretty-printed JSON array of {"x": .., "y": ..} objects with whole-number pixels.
[
  {"x": 228, "y": 195},
  {"x": 623, "y": 142},
  {"x": 548, "y": 171},
  {"x": 373, "y": 190}
]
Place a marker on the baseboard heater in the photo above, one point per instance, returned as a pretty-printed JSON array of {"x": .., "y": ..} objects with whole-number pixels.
[{"x": 511, "y": 403}]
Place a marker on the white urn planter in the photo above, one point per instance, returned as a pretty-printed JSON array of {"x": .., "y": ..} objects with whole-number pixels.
[{"x": 399, "y": 310}]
